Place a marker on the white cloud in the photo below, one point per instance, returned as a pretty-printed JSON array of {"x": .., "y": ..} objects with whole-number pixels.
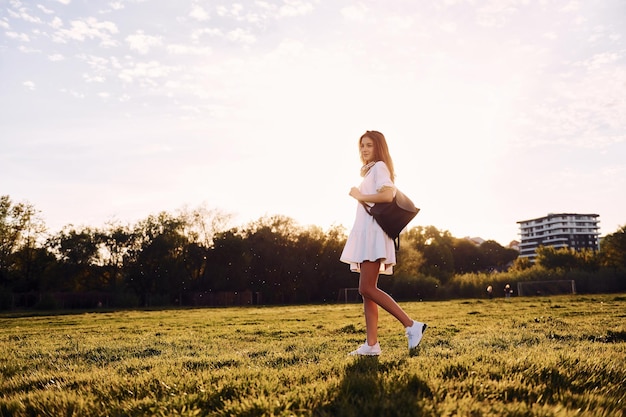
[
  {"x": 527, "y": 74},
  {"x": 182, "y": 49},
  {"x": 448, "y": 27},
  {"x": 142, "y": 43},
  {"x": 28, "y": 49},
  {"x": 114, "y": 6},
  {"x": 195, "y": 36},
  {"x": 581, "y": 110},
  {"x": 355, "y": 12},
  {"x": 614, "y": 171},
  {"x": 66, "y": 2},
  {"x": 240, "y": 35},
  {"x": 288, "y": 48},
  {"x": 56, "y": 23},
  {"x": 115, "y": 63},
  {"x": 572, "y": 6},
  {"x": 550, "y": 36},
  {"x": 240, "y": 14},
  {"x": 22, "y": 37},
  {"x": 236, "y": 9},
  {"x": 601, "y": 33},
  {"x": 73, "y": 93},
  {"x": 56, "y": 57},
  {"x": 44, "y": 9},
  {"x": 399, "y": 24},
  {"x": 23, "y": 15},
  {"x": 198, "y": 13},
  {"x": 89, "y": 78},
  {"x": 97, "y": 63},
  {"x": 89, "y": 28},
  {"x": 145, "y": 72},
  {"x": 263, "y": 4},
  {"x": 295, "y": 8},
  {"x": 600, "y": 60},
  {"x": 223, "y": 11},
  {"x": 496, "y": 13}
]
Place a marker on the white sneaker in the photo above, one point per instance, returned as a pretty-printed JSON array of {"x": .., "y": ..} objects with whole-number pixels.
[
  {"x": 367, "y": 350},
  {"x": 415, "y": 333}
]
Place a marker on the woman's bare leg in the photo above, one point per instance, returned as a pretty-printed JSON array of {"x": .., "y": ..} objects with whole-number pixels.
[
  {"x": 374, "y": 297},
  {"x": 371, "y": 320}
]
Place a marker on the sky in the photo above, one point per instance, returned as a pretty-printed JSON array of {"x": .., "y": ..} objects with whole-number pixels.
[{"x": 495, "y": 111}]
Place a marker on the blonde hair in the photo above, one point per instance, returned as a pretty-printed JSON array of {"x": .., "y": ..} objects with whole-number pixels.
[{"x": 381, "y": 150}]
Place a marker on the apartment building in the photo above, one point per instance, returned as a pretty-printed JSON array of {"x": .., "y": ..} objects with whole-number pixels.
[{"x": 559, "y": 230}]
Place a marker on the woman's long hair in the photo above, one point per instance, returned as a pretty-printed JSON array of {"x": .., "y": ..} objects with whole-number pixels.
[{"x": 381, "y": 151}]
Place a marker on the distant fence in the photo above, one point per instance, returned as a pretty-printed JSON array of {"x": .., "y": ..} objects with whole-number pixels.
[
  {"x": 97, "y": 299},
  {"x": 553, "y": 287}
]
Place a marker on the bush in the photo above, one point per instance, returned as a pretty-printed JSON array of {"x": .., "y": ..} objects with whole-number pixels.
[
  {"x": 47, "y": 302},
  {"x": 474, "y": 285},
  {"x": 603, "y": 281},
  {"x": 125, "y": 300},
  {"x": 406, "y": 288},
  {"x": 6, "y": 299}
]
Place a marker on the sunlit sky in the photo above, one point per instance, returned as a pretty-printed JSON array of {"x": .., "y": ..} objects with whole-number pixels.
[{"x": 495, "y": 111}]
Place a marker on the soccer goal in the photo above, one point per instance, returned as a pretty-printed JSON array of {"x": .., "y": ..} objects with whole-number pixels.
[
  {"x": 348, "y": 295},
  {"x": 557, "y": 287}
]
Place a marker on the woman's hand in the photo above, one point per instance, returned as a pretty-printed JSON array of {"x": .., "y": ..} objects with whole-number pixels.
[
  {"x": 383, "y": 196},
  {"x": 355, "y": 193}
]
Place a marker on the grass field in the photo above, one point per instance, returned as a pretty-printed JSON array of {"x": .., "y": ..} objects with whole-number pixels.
[{"x": 557, "y": 356}]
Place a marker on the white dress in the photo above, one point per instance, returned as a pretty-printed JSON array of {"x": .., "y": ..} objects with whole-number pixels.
[{"x": 367, "y": 241}]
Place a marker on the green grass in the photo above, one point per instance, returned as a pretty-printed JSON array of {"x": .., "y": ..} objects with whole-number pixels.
[{"x": 558, "y": 356}]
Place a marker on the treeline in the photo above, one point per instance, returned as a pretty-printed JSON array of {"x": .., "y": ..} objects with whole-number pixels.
[{"x": 194, "y": 258}]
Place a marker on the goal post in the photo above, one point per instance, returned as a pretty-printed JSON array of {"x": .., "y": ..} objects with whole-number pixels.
[
  {"x": 556, "y": 287},
  {"x": 348, "y": 295}
]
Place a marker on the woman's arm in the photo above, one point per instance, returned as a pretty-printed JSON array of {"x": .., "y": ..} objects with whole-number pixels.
[{"x": 383, "y": 196}]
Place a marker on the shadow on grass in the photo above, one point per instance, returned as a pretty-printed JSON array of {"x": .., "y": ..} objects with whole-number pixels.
[{"x": 372, "y": 388}]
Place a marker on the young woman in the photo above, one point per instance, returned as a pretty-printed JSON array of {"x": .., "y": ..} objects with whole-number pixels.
[{"x": 369, "y": 251}]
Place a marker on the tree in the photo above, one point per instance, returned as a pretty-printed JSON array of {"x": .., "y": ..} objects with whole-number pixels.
[
  {"x": 200, "y": 226},
  {"x": 76, "y": 251},
  {"x": 587, "y": 259},
  {"x": 613, "y": 249},
  {"x": 408, "y": 282},
  {"x": 229, "y": 264},
  {"x": 495, "y": 256},
  {"x": 113, "y": 248},
  {"x": 566, "y": 258},
  {"x": 331, "y": 274},
  {"x": 467, "y": 256},
  {"x": 556, "y": 258},
  {"x": 521, "y": 264},
  {"x": 34, "y": 266},
  {"x": 436, "y": 247},
  {"x": 272, "y": 242},
  {"x": 410, "y": 261},
  {"x": 9, "y": 236},
  {"x": 21, "y": 230},
  {"x": 155, "y": 263}
]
